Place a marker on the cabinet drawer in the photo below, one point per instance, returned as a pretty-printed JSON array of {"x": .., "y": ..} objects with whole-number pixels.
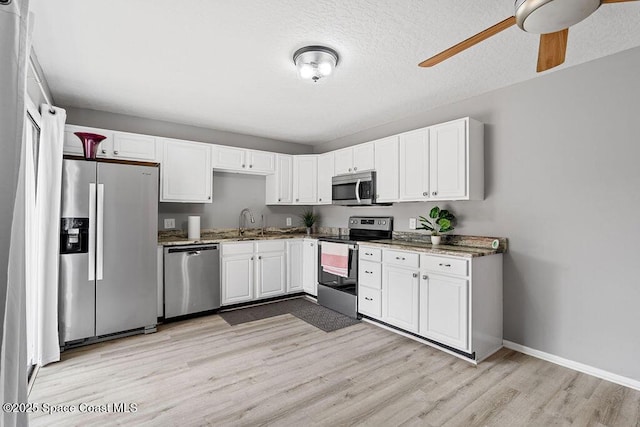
[
  {"x": 458, "y": 267},
  {"x": 370, "y": 254},
  {"x": 370, "y": 274},
  {"x": 237, "y": 248},
  {"x": 405, "y": 259},
  {"x": 369, "y": 301},
  {"x": 270, "y": 246}
]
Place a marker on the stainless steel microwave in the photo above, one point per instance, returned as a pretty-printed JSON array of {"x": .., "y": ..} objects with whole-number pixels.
[{"x": 357, "y": 189}]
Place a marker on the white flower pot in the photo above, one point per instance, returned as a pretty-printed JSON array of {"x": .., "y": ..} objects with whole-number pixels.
[{"x": 435, "y": 240}]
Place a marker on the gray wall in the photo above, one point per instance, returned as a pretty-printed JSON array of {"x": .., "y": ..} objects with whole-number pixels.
[
  {"x": 231, "y": 194},
  {"x": 562, "y": 183},
  {"x": 125, "y": 123}
]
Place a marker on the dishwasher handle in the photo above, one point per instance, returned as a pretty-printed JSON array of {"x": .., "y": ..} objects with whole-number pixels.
[{"x": 192, "y": 250}]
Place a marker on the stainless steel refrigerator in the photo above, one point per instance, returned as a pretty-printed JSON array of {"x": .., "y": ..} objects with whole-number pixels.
[{"x": 108, "y": 249}]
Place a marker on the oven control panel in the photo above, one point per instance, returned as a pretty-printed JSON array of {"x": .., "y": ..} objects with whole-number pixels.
[{"x": 384, "y": 223}]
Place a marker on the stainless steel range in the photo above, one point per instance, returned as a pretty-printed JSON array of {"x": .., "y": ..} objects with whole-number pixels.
[{"x": 338, "y": 284}]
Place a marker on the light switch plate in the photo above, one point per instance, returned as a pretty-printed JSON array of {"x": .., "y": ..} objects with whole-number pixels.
[
  {"x": 412, "y": 223},
  {"x": 289, "y": 221},
  {"x": 169, "y": 223}
]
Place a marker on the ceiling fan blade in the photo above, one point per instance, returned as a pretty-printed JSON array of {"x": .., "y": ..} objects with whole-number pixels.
[
  {"x": 615, "y": 1},
  {"x": 553, "y": 47},
  {"x": 471, "y": 41}
]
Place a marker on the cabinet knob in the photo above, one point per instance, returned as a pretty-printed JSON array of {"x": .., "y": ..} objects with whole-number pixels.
[
  {"x": 425, "y": 277},
  {"x": 320, "y": 199},
  {"x": 425, "y": 194},
  {"x": 104, "y": 151},
  {"x": 415, "y": 274},
  {"x": 260, "y": 257},
  {"x": 349, "y": 169},
  {"x": 279, "y": 200},
  {"x": 250, "y": 166},
  {"x": 297, "y": 200},
  {"x": 435, "y": 193},
  {"x": 209, "y": 197},
  {"x": 243, "y": 166},
  {"x": 251, "y": 258},
  {"x": 115, "y": 152},
  {"x": 355, "y": 169}
]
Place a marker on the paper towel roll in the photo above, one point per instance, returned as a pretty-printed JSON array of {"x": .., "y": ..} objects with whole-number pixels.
[{"x": 193, "y": 228}]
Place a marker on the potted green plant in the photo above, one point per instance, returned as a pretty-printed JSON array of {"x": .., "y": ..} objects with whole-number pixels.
[
  {"x": 439, "y": 221},
  {"x": 308, "y": 219}
]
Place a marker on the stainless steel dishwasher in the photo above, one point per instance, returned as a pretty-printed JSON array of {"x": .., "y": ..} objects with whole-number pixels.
[{"x": 191, "y": 279}]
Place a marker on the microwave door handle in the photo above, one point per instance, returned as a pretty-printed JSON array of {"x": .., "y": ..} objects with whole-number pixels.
[{"x": 358, "y": 191}]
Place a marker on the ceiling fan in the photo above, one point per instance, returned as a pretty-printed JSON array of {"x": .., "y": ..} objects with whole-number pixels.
[{"x": 549, "y": 18}]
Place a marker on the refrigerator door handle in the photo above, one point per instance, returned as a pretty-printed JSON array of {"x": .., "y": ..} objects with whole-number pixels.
[
  {"x": 92, "y": 231},
  {"x": 100, "y": 233}
]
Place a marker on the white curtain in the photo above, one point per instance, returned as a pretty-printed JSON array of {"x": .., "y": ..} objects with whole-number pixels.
[
  {"x": 14, "y": 50},
  {"x": 47, "y": 228}
]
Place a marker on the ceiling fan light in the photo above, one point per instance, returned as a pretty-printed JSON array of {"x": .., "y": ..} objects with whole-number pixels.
[{"x": 549, "y": 16}]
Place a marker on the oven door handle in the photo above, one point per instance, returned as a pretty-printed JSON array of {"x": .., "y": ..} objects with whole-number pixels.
[
  {"x": 351, "y": 247},
  {"x": 358, "y": 191}
]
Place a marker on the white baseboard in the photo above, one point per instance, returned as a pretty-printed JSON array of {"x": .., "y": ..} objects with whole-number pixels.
[{"x": 581, "y": 367}]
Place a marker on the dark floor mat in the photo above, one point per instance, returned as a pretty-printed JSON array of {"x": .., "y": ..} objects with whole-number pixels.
[{"x": 316, "y": 315}]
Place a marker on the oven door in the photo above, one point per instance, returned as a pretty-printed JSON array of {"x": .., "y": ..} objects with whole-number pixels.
[{"x": 344, "y": 284}]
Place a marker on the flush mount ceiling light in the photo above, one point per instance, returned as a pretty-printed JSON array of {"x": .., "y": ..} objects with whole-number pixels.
[{"x": 315, "y": 62}]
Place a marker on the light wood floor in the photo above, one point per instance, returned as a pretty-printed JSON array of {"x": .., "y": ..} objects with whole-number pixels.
[{"x": 282, "y": 371}]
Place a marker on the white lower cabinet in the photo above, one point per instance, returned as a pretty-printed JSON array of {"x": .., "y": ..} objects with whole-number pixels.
[
  {"x": 455, "y": 302},
  {"x": 252, "y": 270},
  {"x": 270, "y": 274},
  {"x": 400, "y": 303},
  {"x": 310, "y": 266},
  {"x": 444, "y": 307},
  {"x": 295, "y": 275}
]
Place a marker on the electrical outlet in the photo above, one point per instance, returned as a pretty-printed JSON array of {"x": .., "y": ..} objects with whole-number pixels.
[
  {"x": 169, "y": 223},
  {"x": 412, "y": 223},
  {"x": 288, "y": 221}
]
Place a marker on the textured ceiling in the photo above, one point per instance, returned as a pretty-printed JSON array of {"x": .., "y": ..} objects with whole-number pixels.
[{"x": 227, "y": 64}]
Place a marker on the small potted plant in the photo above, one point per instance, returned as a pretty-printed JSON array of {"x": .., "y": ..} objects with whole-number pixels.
[
  {"x": 439, "y": 221},
  {"x": 308, "y": 219}
]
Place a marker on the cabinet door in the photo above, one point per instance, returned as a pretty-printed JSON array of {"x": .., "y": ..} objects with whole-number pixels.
[
  {"x": 414, "y": 165},
  {"x": 134, "y": 147},
  {"x": 325, "y": 173},
  {"x": 295, "y": 276},
  {"x": 386, "y": 166},
  {"x": 305, "y": 179},
  {"x": 400, "y": 303},
  {"x": 73, "y": 145},
  {"x": 363, "y": 157},
  {"x": 229, "y": 158},
  {"x": 444, "y": 310},
  {"x": 343, "y": 161},
  {"x": 237, "y": 279},
  {"x": 271, "y": 274},
  {"x": 448, "y": 160},
  {"x": 310, "y": 266},
  {"x": 186, "y": 172},
  {"x": 284, "y": 178},
  {"x": 261, "y": 162}
]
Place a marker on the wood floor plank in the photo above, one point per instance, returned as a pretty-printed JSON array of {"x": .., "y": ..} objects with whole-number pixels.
[{"x": 281, "y": 371}]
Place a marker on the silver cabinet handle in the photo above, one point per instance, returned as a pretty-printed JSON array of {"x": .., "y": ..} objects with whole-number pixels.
[
  {"x": 435, "y": 193},
  {"x": 401, "y": 258},
  {"x": 368, "y": 272},
  {"x": 193, "y": 253},
  {"x": 444, "y": 265},
  {"x": 415, "y": 274},
  {"x": 104, "y": 151},
  {"x": 115, "y": 152},
  {"x": 368, "y": 299},
  {"x": 368, "y": 253},
  {"x": 425, "y": 277},
  {"x": 425, "y": 193}
]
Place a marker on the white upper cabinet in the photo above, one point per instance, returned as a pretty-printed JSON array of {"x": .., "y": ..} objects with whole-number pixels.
[
  {"x": 185, "y": 172},
  {"x": 72, "y": 144},
  {"x": 325, "y": 173},
  {"x": 305, "y": 180},
  {"x": 414, "y": 166},
  {"x": 242, "y": 160},
  {"x": 279, "y": 186},
  {"x": 448, "y": 160},
  {"x": 386, "y": 166},
  {"x": 358, "y": 158},
  {"x": 443, "y": 162},
  {"x": 134, "y": 146}
]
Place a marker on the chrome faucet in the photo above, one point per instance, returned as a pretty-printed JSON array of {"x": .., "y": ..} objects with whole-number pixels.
[{"x": 242, "y": 223}]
